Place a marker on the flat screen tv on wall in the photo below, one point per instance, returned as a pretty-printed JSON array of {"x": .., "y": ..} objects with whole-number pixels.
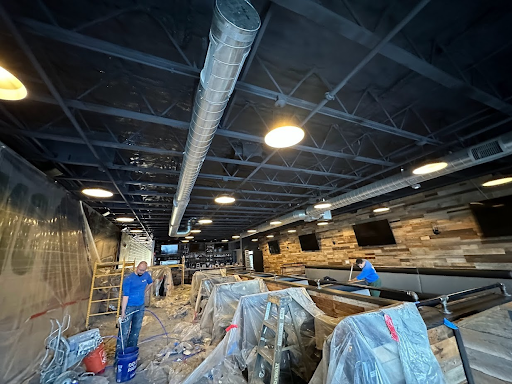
[
  {"x": 374, "y": 233},
  {"x": 169, "y": 249},
  {"x": 309, "y": 242},
  {"x": 494, "y": 216},
  {"x": 273, "y": 247}
]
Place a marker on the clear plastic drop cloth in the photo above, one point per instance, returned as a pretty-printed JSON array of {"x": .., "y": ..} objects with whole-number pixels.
[
  {"x": 388, "y": 346},
  {"x": 199, "y": 276},
  {"x": 46, "y": 253},
  {"x": 206, "y": 290},
  {"x": 222, "y": 305},
  {"x": 162, "y": 280},
  {"x": 236, "y": 351}
]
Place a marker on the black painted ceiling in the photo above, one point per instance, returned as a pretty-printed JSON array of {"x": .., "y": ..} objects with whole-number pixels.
[{"x": 127, "y": 72}]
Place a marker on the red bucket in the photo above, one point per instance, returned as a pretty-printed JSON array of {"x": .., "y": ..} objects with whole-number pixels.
[{"x": 96, "y": 361}]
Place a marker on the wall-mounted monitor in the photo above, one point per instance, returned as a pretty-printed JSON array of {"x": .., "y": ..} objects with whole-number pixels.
[
  {"x": 169, "y": 249},
  {"x": 494, "y": 216},
  {"x": 309, "y": 242},
  {"x": 374, "y": 233},
  {"x": 273, "y": 247},
  {"x": 196, "y": 247}
]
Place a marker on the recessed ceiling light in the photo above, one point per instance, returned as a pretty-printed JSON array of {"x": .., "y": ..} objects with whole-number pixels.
[
  {"x": 136, "y": 231},
  {"x": 429, "y": 168},
  {"x": 277, "y": 222},
  {"x": 322, "y": 223},
  {"x": 283, "y": 137},
  {"x": 382, "y": 209},
  {"x": 235, "y": 237},
  {"x": 10, "y": 87},
  {"x": 189, "y": 237},
  {"x": 185, "y": 241},
  {"x": 292, "y": 231},
  {"x": 205, "y": 221},
  {"x": 125, "y": 219},
  {"x": 252, "y": 231},
  {"x": 195, "y": 231},
  {"x": 254, "y": 240},
  {"x": 500, "y": 181},
  {"x": 322, "y": 205},
  {"x": 224, "y": 199},
  {"x": 97, "y": 192},
  {"x": 270, "y": 236},
  {"x": 225, "y": 240}
]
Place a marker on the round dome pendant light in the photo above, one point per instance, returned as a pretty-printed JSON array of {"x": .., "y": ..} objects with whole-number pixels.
[
  {"x": 10, "y": 87},
  {"x": 284, "y": 136}
]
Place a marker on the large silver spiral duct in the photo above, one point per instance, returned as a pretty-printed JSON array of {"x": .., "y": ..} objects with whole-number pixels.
[{"x": 234, "y": 27}]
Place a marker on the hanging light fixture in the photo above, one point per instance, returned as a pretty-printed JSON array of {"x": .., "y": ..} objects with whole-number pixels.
[
  {"x": 224, "y": 199},
  {"x": 10, "y": 87},
  {"x": 254, "y": 240},
  {"x": 381, "y": 209},
  {"x": 125, "y": 219},
  {"x": 277, "y": 222},
  {"x": 252, "y": 231},
  {"x": 225, "y": 240},
  {"x": 429, "y": 168},
  {"x": 235, "y": 237},
  {"x": 189, "y": 237},
  {"x": 284, "y": 136},
  {"x": 292, "y": 231},
  {"x": 205, "y": 221},
  {"x": 322, "y": 205},
  {"x": 185, "y": 241},
  {"x": 97, "y": 192},
  {"x": 136, "y": 231},
  {"x": 322, "y": 223},
  {"x": 270, "y": 236},
  {"x": 495, "y": 182},
  {"x": 195, "y": 231}
]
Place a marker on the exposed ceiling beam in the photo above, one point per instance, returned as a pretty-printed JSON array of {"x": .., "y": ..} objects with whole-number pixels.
[
  {"x": 131, "y": 168},
  {"x": 173, "y": 186},
  {"x": 148, "y": 118},
  {"x": 165, "y": 152},
  {"x": 346, "y": 28},
  {"x": 79, "y": 40}
]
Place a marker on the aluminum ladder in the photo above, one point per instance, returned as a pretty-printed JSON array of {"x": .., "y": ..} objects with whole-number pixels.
[
  {"x": 120, "y": 271},
  {"x": 272, "y": 352}
]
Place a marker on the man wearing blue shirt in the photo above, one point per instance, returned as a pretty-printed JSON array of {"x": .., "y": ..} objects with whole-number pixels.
[
  {"x": 368, "y": 275},
  {"x": 132, "y": 307}
]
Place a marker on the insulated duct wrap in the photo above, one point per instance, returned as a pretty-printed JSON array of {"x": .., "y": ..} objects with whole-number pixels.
[
  {"x": 234, "y": 27},
  {"x": 478, "y": 154}
]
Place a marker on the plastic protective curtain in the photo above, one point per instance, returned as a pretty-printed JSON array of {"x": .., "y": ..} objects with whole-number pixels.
[
  {"x": 236, "y": 351},
  {"x": 45, "y": 264},
  {"x": 222, "y": 305},
  {"x": 387, "y": 346},
  {"x": 198, "y": 277}
]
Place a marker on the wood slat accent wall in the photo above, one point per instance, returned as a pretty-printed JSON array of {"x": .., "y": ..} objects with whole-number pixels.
[{"x": 459, "y": 243}]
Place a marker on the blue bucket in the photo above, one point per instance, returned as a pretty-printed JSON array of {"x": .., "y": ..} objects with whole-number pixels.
[{"x": 127, "y": 364}]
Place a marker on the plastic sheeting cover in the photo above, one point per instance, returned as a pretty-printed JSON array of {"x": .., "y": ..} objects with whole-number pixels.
[
  {"x": 198, "y": 277},
  {"x": 206, "y": 290},
  {"x": 222, "y": 305},
  {"x": 44, "y": 264},
  {"x": 236, "y": 351},
  {"x": 362, "y": 350}
]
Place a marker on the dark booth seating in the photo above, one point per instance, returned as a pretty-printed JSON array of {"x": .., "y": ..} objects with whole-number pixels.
[{"x": 426, "y": 282}]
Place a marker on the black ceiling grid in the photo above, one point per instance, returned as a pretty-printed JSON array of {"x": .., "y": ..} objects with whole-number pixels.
[{"x": 127, "y": 71}]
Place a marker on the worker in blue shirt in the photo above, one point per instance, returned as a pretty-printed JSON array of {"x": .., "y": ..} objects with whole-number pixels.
[
  {"x": 135, "y": 287},
  {"x": 368, "y": 275}
]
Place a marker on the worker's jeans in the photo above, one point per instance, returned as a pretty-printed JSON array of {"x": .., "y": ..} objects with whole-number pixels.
[
  {"x": 377, "y": 284},
  {"x": 130, "y": 328}
]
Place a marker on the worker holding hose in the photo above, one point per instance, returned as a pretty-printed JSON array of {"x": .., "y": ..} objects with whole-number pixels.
[
  {"x": 368, "y": 275},
  {"x": 135, "y": 287}
]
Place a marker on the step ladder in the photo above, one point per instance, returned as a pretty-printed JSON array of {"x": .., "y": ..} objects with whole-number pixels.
[
  {"x": 115, "y": 269},
  {"x": 270, "y": 349}
]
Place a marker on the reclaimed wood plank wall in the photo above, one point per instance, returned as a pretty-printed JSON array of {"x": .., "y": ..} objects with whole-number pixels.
[{"x": 459, "y": 243}]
